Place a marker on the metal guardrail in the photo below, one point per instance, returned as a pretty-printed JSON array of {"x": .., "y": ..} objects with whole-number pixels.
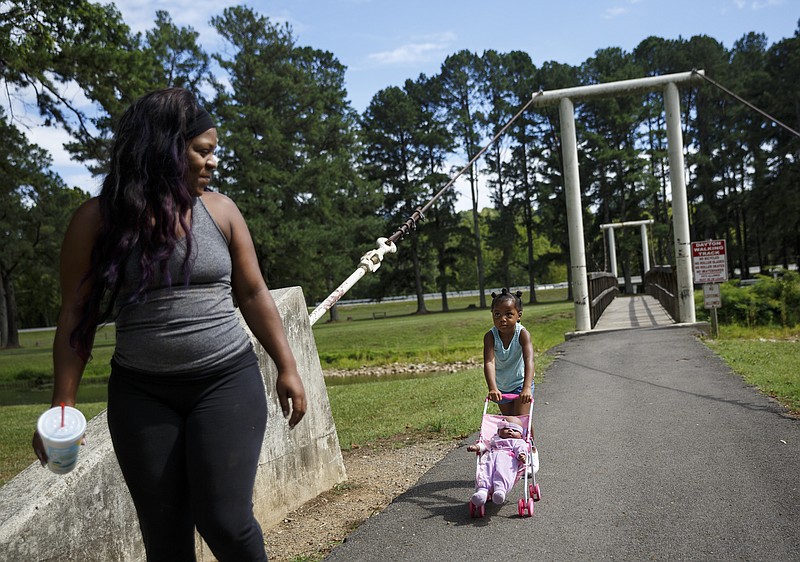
[
  {"x": 468, "y": 293},
  {"x": 602, "y": 290},
  {"x": 661, "y": 282}
]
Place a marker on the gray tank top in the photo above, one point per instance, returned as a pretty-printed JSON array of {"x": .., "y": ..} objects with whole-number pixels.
[{"x": 189, "y": 330}]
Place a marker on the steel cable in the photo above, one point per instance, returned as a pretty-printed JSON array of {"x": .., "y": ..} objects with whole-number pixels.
[{"x": 745, "y": 102}]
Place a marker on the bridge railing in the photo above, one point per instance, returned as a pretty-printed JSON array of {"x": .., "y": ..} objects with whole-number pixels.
[
  {"x": 661, "y": 282},
  {"x": 602, "y": 290}
]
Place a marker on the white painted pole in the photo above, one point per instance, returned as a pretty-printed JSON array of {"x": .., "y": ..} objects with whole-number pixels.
[
  {"x": 626, "y": 223},
  {"x": 680, "y": 206},
  {"x": 612, "y": 251},
  {"x": 612, "y": 243},
  {"x": 370, "y": 263},
  {"x": 622, "y": 87},
  {"x": 572, "y": 188}
]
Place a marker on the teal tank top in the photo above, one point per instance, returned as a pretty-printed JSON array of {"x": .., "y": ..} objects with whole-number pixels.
[{"x": 509, "y": 366}]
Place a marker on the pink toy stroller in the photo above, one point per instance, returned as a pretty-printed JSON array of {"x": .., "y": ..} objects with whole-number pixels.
[{"x": 489, "y": 426}]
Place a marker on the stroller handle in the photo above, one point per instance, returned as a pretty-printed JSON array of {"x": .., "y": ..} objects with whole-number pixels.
[{"x": 506, "y": 396}]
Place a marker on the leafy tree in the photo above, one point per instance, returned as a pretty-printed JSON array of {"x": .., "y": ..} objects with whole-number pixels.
[
  {"x": 495, "y": 87},
  {"x": 168, "y": 56},
  {"x": 778, "y": 202},
  {"x": 618, "y": 184},
  {"x": 287, "y": 143},
  {"x": 460, "y": 76},
  {"x": 181, "y": 61},
  {"x": 48, "y": 46},
  {"x": 433, "y": 142},
  {"x": 527, "y": 156},
  {"x": 34, "y": 211},
  {"x": 391, "y": 159},
  {"x": 551, "y": 208},
  {"x": 656, "y": 56},
  {"x": 702, "y": 133}
]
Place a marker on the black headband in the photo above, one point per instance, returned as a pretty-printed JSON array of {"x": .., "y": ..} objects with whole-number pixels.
[{"x": 200, "y": 124}]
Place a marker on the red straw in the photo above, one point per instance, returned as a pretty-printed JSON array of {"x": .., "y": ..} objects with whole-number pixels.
[{"x": 62, "y": 414}]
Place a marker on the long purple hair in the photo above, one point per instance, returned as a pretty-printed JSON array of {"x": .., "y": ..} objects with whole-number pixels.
[{"x": 143, "y": 200}]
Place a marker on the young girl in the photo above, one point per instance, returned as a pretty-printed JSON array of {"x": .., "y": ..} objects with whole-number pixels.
[{"x": 508, "y": 355}]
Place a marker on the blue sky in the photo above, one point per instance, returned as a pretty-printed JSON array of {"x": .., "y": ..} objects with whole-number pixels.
[{"x": 384, "y": 42}]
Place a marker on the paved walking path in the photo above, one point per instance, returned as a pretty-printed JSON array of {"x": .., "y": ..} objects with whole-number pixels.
[
  {"x": 651, "y": 449},
  {"x": 635, "y": 311}
]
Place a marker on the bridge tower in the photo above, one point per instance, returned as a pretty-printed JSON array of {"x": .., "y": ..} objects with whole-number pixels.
[{"x": 680, "y": 214}]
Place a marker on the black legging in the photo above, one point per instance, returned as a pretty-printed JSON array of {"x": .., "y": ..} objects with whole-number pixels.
[{"x": 189, "y": 453}]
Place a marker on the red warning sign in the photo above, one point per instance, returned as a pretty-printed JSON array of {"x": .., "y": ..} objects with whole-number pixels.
[{"x": 708, "y": 262}]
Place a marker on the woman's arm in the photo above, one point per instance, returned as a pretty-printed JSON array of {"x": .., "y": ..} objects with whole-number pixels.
[
  {"x": 76, "y": 252},
  {"x": 258, "y": 308},
  {"x": 75, "y": 261}
]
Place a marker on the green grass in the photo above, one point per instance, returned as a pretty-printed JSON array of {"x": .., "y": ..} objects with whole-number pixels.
[
  {"x": 769, "y": 363},
  {"x": 32, "y": 362},
  {"x": 446, "y": 405},
  {"x": 444, "y": 337}
]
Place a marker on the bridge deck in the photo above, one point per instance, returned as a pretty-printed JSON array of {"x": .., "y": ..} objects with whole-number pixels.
[{"x": 636, "y": 311}]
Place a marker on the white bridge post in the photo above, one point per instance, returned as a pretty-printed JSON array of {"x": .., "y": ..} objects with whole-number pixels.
[
  {"x": 572, "y": 187},
  {"x": 612, "y": 251},
  {"x": 680, "y": 206}
]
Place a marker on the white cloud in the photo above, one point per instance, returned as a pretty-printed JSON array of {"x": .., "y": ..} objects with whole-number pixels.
[
  {"x": 140, "y": 15},
  {"x": 415, "y": 52},
  {"x": 611, "y": 13},
  {"x": 618, "y": 11},
  {"x": 759, "y": 5},
  {"x": 73, "y": 173},
  {"x": 78, "y": 176},
  {"x": 756, "y": 5},
  {"x": 52, "y": 140}
]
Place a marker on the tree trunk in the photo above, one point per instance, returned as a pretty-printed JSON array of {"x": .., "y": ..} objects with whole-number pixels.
[
  {"x": 334, "y": 313},
  {"x": 443, "y": 279},
  {"x": 477, "y": 232},
  {"x": 12, "y": 340},
  {"x": 3, "y": 311},
  {"x": 626, "y": 272},
  {"x": 531, "y": 274},
  {"x": 418, "y": 277}
]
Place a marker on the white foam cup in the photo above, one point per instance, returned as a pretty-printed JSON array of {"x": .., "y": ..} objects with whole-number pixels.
[{"x": 62, "y": 441}]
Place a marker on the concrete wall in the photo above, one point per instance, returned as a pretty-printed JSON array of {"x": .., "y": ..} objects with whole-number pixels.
[{"x": 87, "y": 515}]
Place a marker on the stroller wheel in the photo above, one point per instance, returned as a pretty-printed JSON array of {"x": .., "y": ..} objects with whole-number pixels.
[
  {"x": 521, "y": 508},
  {"x": 476, "y": 511},
  {"x": 536, "y": 494},
  {"x": 530, "y": 507}
]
